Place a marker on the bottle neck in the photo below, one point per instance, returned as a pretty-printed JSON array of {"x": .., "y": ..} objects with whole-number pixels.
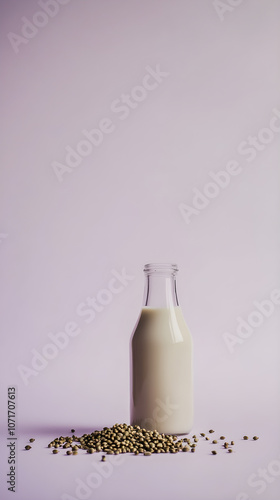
[{"x": 160, "y": 286}]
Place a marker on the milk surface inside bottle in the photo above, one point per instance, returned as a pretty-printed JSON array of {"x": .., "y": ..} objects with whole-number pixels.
[{"x": 161, "y": 358}]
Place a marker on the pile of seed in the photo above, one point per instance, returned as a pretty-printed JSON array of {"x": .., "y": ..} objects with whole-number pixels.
[{"x": 123, "y": 438}]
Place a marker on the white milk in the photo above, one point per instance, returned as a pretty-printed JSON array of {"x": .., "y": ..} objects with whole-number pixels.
[{"x": 161, "y": 372}]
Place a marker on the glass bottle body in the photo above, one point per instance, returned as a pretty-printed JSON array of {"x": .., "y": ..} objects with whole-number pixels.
[{"x": 161, "y": 358}]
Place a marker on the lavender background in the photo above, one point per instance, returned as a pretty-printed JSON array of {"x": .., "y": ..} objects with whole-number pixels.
[{"x": 119, "y": 209}]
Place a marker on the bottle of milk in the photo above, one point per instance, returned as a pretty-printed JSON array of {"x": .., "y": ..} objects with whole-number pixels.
[{"x": 161, "y": 358}]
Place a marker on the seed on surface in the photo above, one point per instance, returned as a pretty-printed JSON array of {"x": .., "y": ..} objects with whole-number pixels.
[
  {"x": 68, "y": 452},
  {"x": 245, "y": 437},
  {"x": 27, "y": 447},
  {"x": 222, "y": 437},
  {"x": 103, "y": 458},
  {"x": 214, "y": 452},
  {"x": 73, "y": 430},
  {"x": 230, "y": 450},
  {"x": 214, "y": 441},
  {"x": 232, "y": 443},
  {"x": 55, "y": 451},
  {"x": 211, "y": 431},
  {"x": 31, "y": 440},
  {"x": 255, "y": 438},
  {"x": 123, "y": 438}
]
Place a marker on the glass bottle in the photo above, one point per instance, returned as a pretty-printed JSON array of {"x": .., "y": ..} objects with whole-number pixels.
[{"x": 161, "y": 358}]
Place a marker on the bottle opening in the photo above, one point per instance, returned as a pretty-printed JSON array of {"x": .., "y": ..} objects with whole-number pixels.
[{"x": 160, "y": 269}]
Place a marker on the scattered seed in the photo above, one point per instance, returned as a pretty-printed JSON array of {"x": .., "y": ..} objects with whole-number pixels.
[
  {"x": 68, "y": 452},
  {"x": 123, "y": 438},
  {"x": 103, "y": 458},
  {"x": 230, "y": 450},
  {"x": 245, "y": 437},
  {"x": 31, "y": 440},
  {"x": 27, "y": 447},
  {"x": 254, "y": 438},
  {"x": 73, "y": 430},
  {"x": 214, "y": 452}
]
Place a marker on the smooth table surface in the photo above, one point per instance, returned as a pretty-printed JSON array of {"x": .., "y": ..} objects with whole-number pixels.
[{"x": 251, "y": 471}]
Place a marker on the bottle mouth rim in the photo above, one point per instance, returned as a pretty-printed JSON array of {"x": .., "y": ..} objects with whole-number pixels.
[{"x": 160, "y": 268}]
